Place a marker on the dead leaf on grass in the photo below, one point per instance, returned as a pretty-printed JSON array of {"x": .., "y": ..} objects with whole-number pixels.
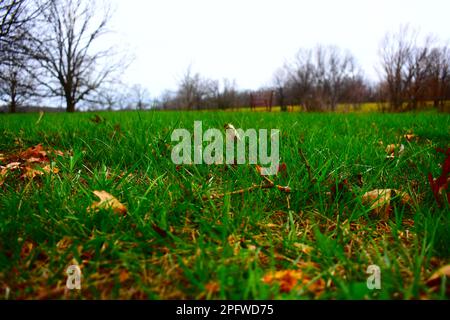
[
  {"x": 394, "y": 150},
  {"x": 13, "y": 165},
  {"x": 107, "y": 201},
  {"x": 410, "y": 137},
  {"x": 289, "y": 280},
  {"x": 124, "y": 275},
  {"x": 380, "y": 200},
  {"x": 439, "y": 185},
  {"x": 304, "y": 248},
  {"x": 212, "y": 287},
  {"x": 37, "y": 153},
  {"x": 32, "y": 172},
  {"x": 232, "y": 130},
  {"x": 434, "y": 282}
]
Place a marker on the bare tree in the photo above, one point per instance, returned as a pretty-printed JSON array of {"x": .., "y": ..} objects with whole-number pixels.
[
  {"x": 17, "y": 18},
  {"x": 139, "y": 97},
  {"x": 317, "y": 77},
  {"x": 16, "y": 83},
  {"x": 302, "y": 78},
  {"x": 225, "y": 95},
  {"x": 396, "y": 52},
  {"x": 195, "y": 92},
  {"x": 72, "y": 69},
  {"x": 280, "y": 80},
  {"x": 439, "y": 76}
]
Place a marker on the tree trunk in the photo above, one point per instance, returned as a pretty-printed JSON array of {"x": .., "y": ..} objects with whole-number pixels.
[
  {"x": 70, "y": 106},
  {"x": 13, "y": 107}
]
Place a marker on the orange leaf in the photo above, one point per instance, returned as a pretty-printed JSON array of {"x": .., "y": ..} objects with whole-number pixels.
[
  {"x": 13, "y": 165},
  {"x": 212, "y": 287},
  {"x": 436, "y": 279},
  {"x": 287, "y": 279},
  {"x": 380, "y": 200},
  {"x": 123, "y": 275},
  {"x": 282, "y": 168},
  {"x": 36, "y": 152},
  {"x": 409, "y": 137},
  {"x": 107, "y": 201}
]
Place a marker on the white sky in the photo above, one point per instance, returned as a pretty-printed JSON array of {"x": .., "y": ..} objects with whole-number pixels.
[{"x": 247, "y": 40}]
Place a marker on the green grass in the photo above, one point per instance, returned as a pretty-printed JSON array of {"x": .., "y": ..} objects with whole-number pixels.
[{"x": 175, "y": 243}]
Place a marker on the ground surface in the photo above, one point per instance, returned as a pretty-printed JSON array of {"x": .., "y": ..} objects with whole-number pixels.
[{"x": 183, "y": 236}]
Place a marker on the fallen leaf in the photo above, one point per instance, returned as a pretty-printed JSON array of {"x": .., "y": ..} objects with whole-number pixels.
[
  {"x": 232, "y": 130},
  {"x": 48, "y": 169},
  {"x": 380, "y": 200},
  {"x": 36, "y": 152},
  {"x": 289, "y": 280},
  {"x": 282, "y": 168},
  {"x": 394, "y": 150},
  {"x": 212, "y": 287},
  {"x": 27, "y": 248},
  {"x": 59, "y": 153},
  {"x": 434, "y": 282},
  {"x": 13, "y": 165},
  {"x": 108, "y": 201},
  {"x": 285, "y": 189},
  {"x": 64, "y": 243},
  {"x": 32, "y": 172},
  {"x": 440, "y": 184},
  {"x": 304, "y": 248},
  {"x": 409, "y": 137},
  {"x": 124, "y": 275}
]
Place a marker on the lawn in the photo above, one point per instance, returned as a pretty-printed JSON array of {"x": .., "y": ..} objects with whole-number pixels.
[{"x": 186, "y": 235}]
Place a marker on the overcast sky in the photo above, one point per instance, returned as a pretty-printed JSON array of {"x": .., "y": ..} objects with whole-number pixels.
[{"x": 247, "y": 40}]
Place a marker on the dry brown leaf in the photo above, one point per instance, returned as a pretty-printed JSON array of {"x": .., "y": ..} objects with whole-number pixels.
[
  {"x": 285, "y": 189},
  {"x": 124, "y": 275},
  {"x": 435, "y": 280},
  {"x": 32, "y": 172},
  {"x": 409, "y": 137},
  {"x": 64, "y": 243},
  {"x": 234, "y": 133},
  {"x": 13, "y": 165},
  {"x": 304, "y": 248},
  {"x": 289, "y": 280},
  {"x": 380, "y": 200},
  {"x": 394, "y": 150},
  {"x": 36, "y": 152},
  {"x": 108, "y": 201},
  {"x": 48, "y": 169},
  {"x": 212, "y": 287}
]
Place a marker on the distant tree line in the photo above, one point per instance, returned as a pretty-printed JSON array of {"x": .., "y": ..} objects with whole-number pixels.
[
  {"x": 48, "y": 53},
  {"x": 412, "y": 74}
]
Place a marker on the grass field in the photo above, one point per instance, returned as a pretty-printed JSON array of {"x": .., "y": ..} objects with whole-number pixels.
[{"x": 179, "y": 240}]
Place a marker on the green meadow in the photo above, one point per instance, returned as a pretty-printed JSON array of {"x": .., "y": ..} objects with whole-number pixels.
[{"x": 221, "y": 231}]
